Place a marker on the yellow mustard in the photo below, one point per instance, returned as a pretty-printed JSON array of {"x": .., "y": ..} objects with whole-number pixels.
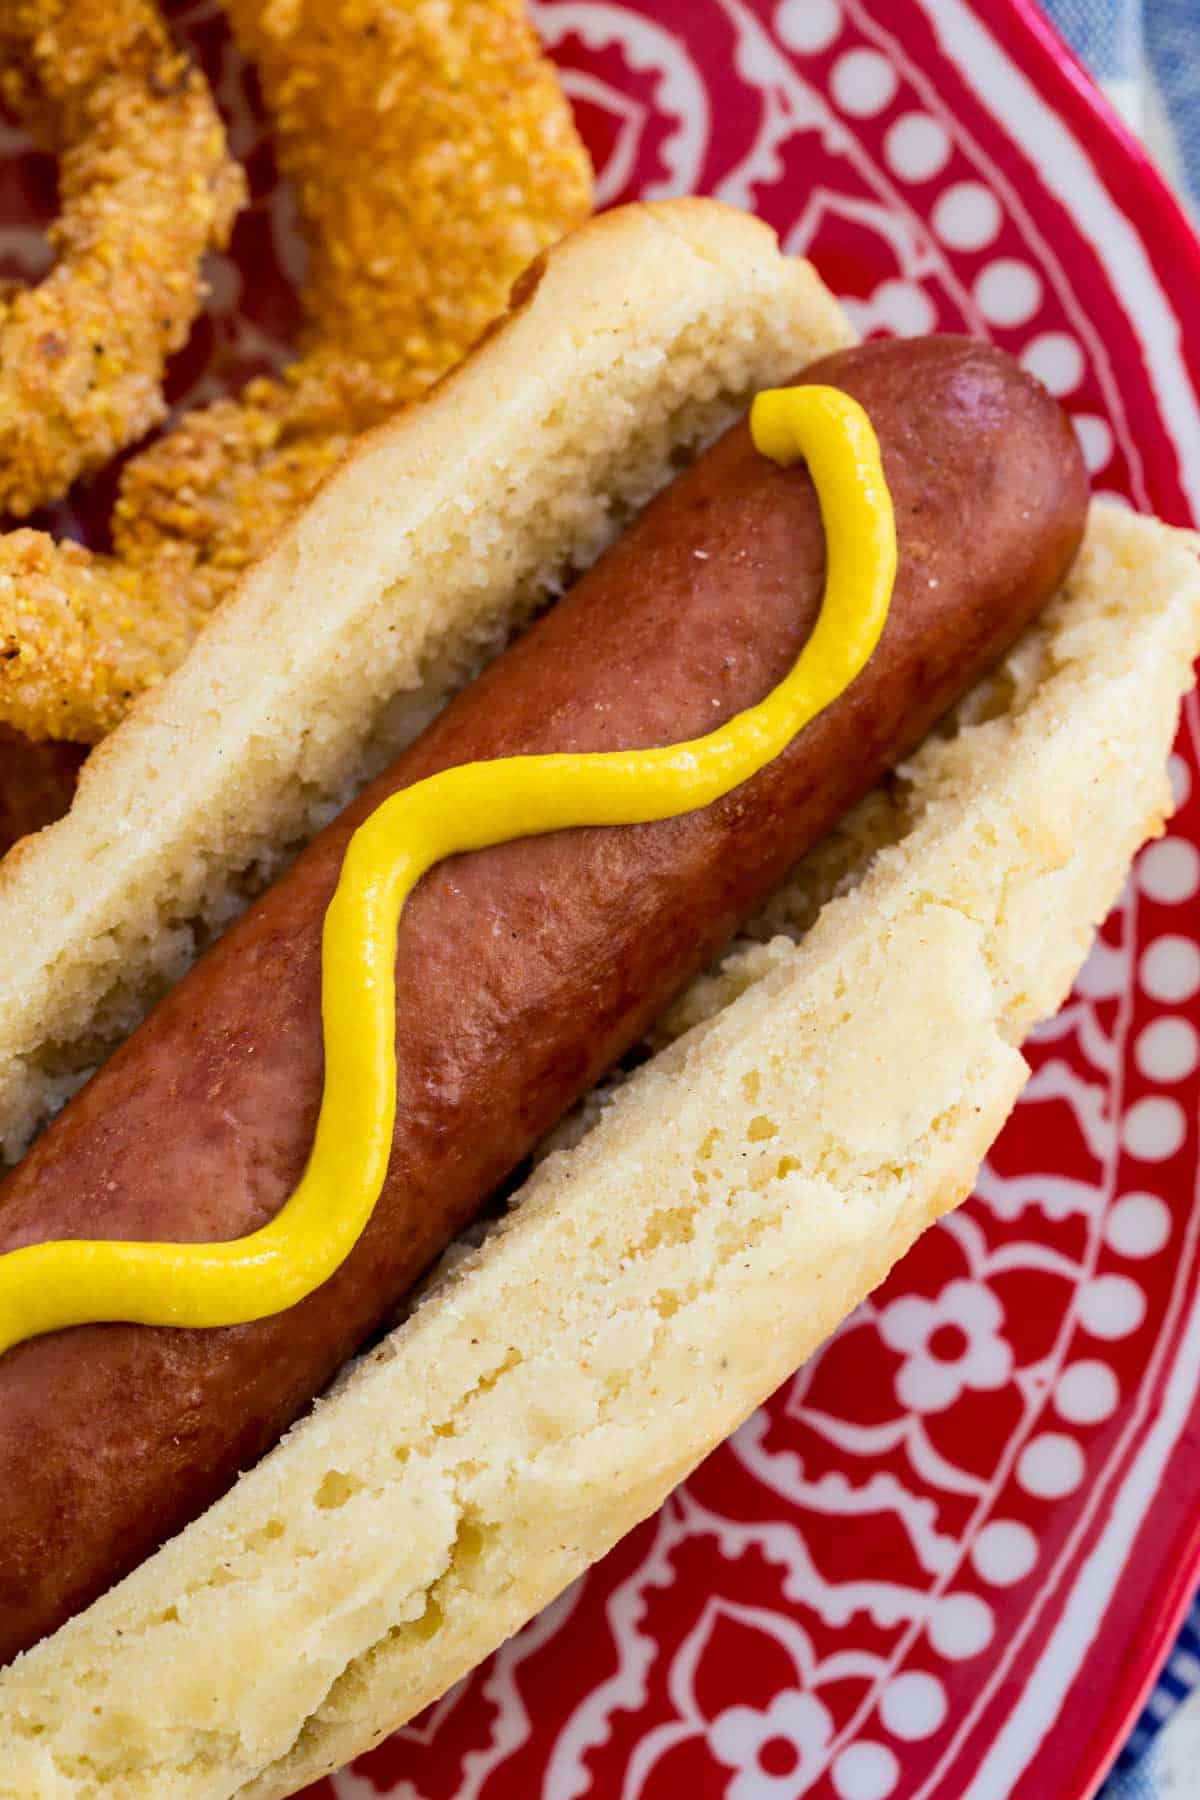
[{"x": 44, "y": 1287}]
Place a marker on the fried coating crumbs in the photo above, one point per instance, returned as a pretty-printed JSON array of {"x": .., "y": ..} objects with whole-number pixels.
[
  {"x": 146, "y": 187},
  {"x": 425, "y": 197}
]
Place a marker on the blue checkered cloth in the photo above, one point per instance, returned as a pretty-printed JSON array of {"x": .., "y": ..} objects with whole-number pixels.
[
  {"x": 1158, "y": 1763},
  {"x": 1146, "y": 55}
]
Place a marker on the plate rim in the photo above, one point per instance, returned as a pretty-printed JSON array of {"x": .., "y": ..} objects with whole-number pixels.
[{"x": 1041, "y": 47}]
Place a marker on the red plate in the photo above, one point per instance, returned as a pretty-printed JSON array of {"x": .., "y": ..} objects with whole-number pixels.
[{"x": 949, "y": 1556}]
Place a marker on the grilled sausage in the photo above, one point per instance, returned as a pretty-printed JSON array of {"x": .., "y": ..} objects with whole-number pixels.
[{"x": 523, "y": 972}]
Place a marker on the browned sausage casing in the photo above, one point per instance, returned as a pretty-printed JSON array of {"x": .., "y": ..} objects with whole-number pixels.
[{"x": 522, "y": 972}]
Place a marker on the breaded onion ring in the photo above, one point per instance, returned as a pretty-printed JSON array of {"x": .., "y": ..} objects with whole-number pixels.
[
  {"x": 433, "y": 155},
  {"x": 146, "y": 186},
  {"x": 82, "y": 635},
  {"x": 425, "y": 197}
]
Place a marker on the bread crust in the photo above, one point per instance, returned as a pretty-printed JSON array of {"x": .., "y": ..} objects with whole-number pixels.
[{"x": 662, "y": 1275}]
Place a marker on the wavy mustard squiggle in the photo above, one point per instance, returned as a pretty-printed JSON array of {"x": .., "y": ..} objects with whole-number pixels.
[{"x": 45, "y": 1287}]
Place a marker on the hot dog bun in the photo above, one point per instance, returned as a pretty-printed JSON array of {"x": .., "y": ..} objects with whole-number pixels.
[
  {"x": 523, "y": 977},
  {"x": 641, "y": 335},
  {"x": 661, "y": 1277}
]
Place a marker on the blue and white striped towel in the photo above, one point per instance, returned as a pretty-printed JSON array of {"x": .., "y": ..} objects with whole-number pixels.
[{"x": 1146, "y": 55}]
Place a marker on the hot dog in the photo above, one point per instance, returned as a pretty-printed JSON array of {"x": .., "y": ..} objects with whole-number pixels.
[{"x": 523, "y": 973}]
